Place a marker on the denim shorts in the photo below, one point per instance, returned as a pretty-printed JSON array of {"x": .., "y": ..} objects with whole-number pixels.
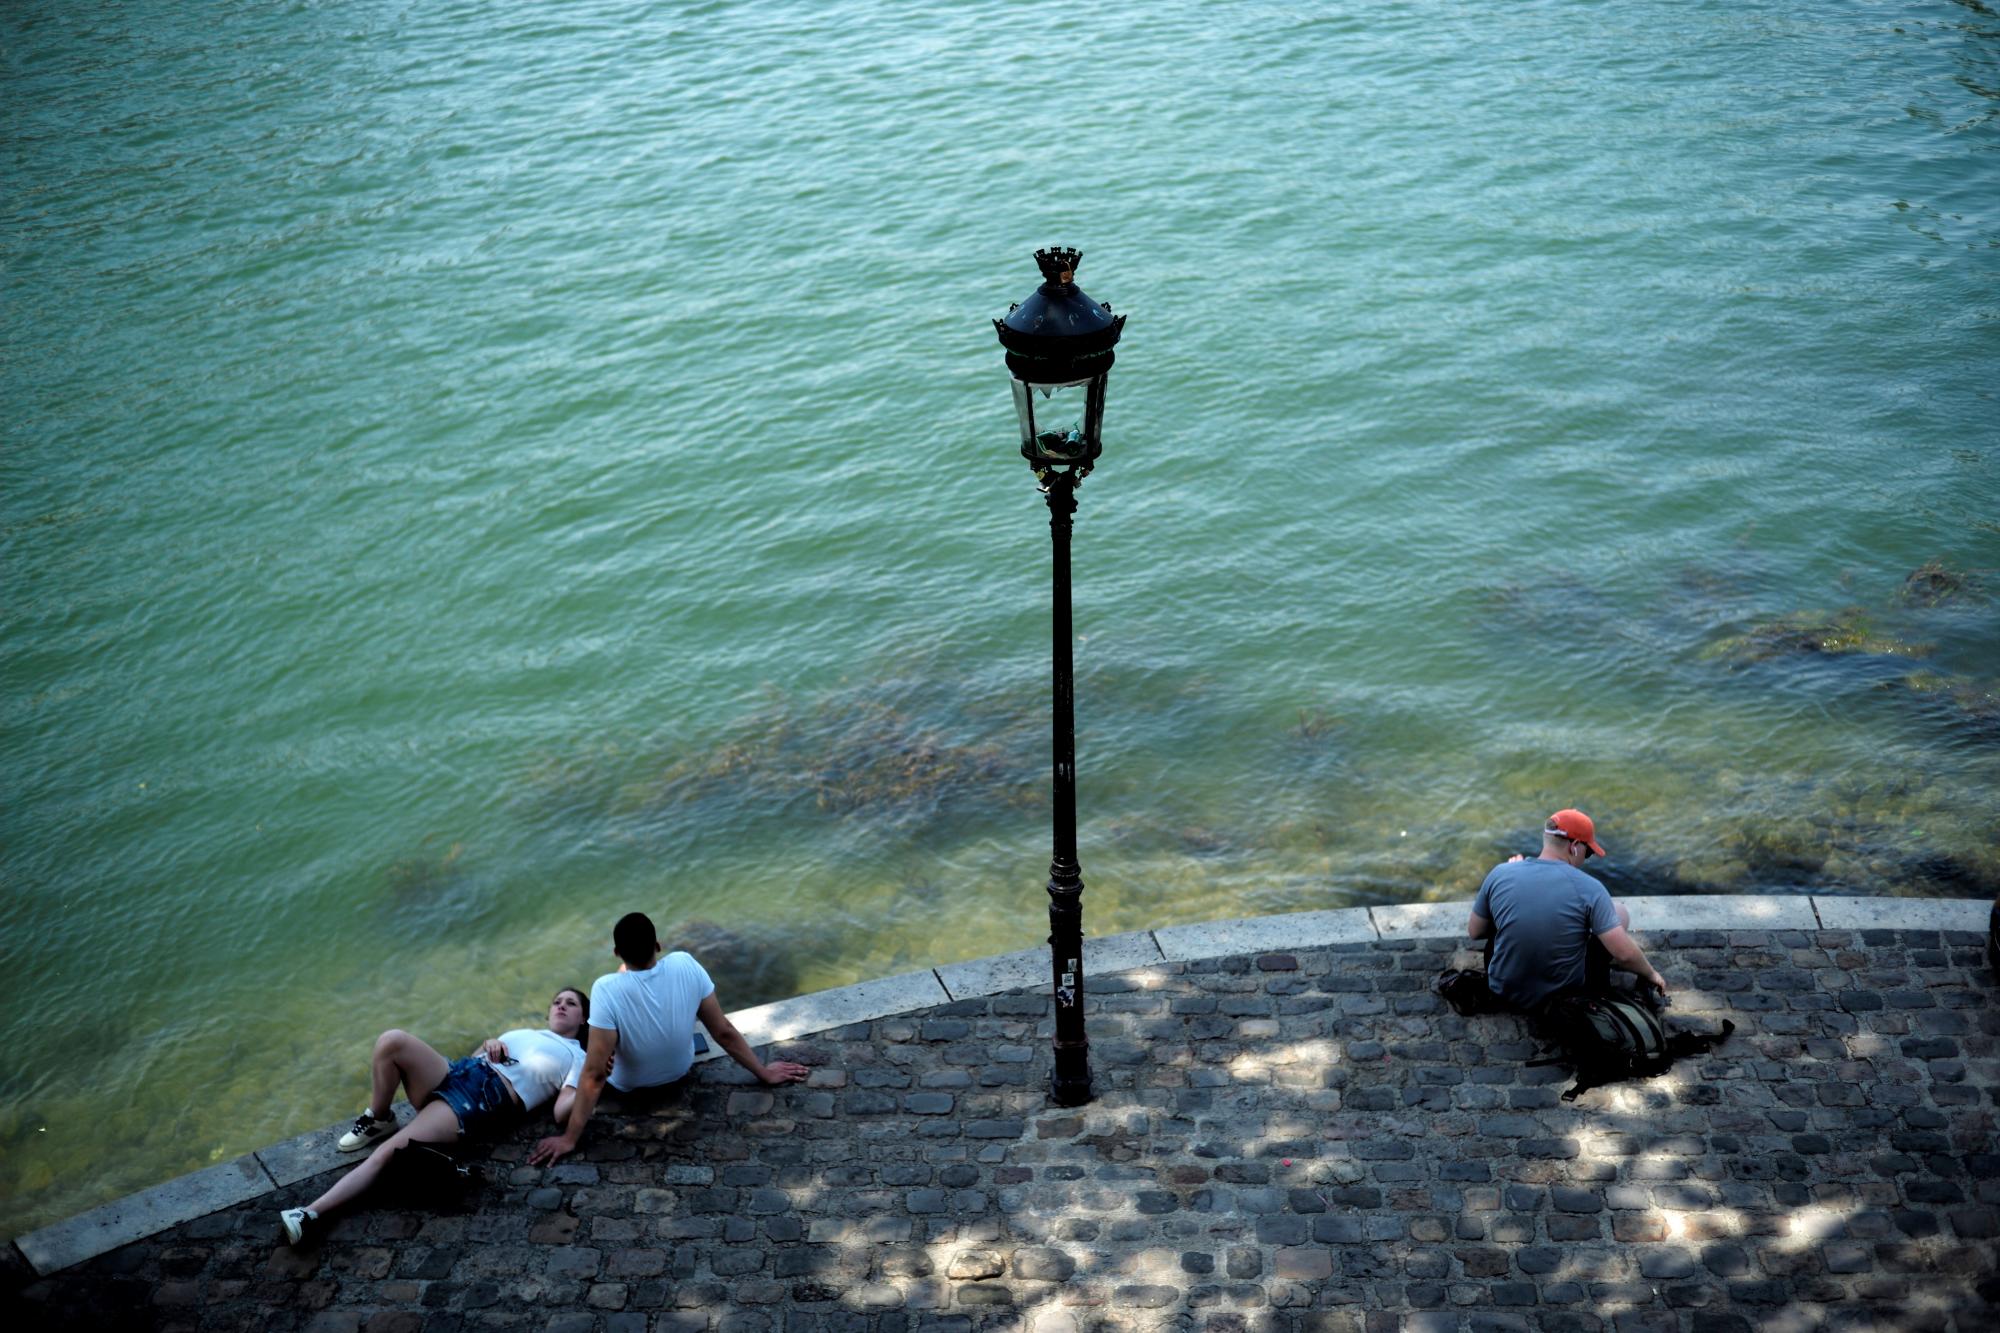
[{"x": 479, "y": 1097}]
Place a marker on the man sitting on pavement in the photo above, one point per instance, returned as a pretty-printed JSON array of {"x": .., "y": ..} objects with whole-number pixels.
[
  {"x": 1550, "y": 927},
  {"x": 643, "y": 1014}
]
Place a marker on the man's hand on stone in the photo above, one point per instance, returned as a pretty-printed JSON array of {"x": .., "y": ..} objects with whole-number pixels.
[
  {"x": 784, "y": 1071},
  {"x": 550, "y": 1151}
]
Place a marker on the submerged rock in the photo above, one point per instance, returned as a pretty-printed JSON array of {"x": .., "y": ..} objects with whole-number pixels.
[
  {"x": 1149, "y": 833},
  {"x": 1315, "y": 725},
  {"x": 1848, "y": 631},
  {"x": 750, "y": 964},
  {"x": 1714, "y": 583},
  {"x": 1950, "y": 876},
  {"x": 1964, "y": 700},
  {"x": 1547, "y": 605},
  {"x": 427, "y": 874},
  {"x": 848, "y": 756},
  {"x": 1934, "y": 584},
  {"x": 881, "y": 757}
]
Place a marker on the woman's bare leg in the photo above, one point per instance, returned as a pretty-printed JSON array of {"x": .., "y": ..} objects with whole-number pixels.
[
  {"x": 401, "y": 1058},
  {"x": 436, "y": 1123}
]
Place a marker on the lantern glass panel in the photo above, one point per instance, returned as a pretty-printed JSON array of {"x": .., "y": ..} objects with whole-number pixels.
[{"x": 1059, "y": 422}]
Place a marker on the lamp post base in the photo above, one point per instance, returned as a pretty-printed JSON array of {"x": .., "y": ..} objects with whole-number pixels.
[{"x": 1071, "y": 1086}]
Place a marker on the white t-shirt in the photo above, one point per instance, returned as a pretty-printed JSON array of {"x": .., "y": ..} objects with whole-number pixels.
[
  {"x": 653, "y": 1014},
  {"x": 541, "y": 1064}
]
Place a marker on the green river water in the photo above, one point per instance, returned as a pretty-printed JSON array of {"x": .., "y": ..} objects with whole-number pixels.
[{"x": 472, "y": 470}]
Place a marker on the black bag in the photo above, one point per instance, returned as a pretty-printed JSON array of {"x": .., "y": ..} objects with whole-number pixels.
[
  {"x": 1467, "y": 993},
  {"x": 427, "y": 1175},
  {"x": 1608, "y": 1038},
  {"x": 1993, "y": 938}
]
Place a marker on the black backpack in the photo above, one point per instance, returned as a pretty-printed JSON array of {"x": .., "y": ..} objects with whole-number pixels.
[
  {"x": 1467, "y": 993},
  {"x": 1608, "y": 1038},
  {"x": 1993, "y": 938}
]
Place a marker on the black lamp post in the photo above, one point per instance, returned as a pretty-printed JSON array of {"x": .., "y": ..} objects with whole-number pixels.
[{"x": 1059, "y": 345}]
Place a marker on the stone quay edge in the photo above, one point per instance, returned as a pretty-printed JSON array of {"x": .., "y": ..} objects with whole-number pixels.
[{"x": 1878, "y": 1017}]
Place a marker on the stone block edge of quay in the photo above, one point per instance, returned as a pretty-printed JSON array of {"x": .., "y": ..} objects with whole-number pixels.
[{"x": 148, "y": 1212}]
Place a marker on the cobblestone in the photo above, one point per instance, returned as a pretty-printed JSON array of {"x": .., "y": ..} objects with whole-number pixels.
[{"x": 1280, "y": 1141}]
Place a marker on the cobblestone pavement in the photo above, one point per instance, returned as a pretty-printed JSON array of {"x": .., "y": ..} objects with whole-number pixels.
[{"x": 1280, "y": 1141}]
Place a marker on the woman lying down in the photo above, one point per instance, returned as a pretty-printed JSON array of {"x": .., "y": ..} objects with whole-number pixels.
[{"x": 482, "y": 1095}]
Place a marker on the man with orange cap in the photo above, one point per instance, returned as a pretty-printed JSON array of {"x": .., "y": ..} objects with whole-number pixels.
[{"x": 1552, "y": 928}]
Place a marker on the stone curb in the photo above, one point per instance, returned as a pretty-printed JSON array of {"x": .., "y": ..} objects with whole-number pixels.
[
  {"x": 859, "y": 1003},
  {"x": 1903, "y": 913},
  {"x": 1723, "y": 913},
  {"x": 1420, "y": 920},
  {"x": 1266, "y": 934},
  {"x": 317, "y": 1150},
  {"x": 1030, "y": 967},
  {"x": 148, "y": 1212}
]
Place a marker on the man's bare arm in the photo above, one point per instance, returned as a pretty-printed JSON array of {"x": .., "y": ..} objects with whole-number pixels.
[
  {"x": 1477, "y": 926},
  {"x": 596, "y": 1071},
  {"x": 1626, "y": 954},
  {"x": 729, "y": 1039}
]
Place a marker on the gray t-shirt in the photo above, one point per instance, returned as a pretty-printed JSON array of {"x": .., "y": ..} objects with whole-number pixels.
[{"x": 1544, "y": 914}]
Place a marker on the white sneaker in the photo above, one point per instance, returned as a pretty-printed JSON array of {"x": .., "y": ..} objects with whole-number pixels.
[
  {"x": 367, "y": 1129},
  {"x": 299, "y": 1225}
]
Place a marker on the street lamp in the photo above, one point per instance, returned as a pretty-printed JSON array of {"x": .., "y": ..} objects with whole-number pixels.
[{"x": 1059, "y": 353}]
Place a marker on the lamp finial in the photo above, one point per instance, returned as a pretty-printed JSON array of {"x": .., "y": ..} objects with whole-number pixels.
[{"x": 1058, "y": 264}]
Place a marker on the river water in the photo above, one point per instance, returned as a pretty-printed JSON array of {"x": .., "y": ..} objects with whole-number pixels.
[{"x": 472, "y": 470}]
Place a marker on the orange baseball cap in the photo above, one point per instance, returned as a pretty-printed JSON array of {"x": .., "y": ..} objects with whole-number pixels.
[{"x": 1576, "y": 826}]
